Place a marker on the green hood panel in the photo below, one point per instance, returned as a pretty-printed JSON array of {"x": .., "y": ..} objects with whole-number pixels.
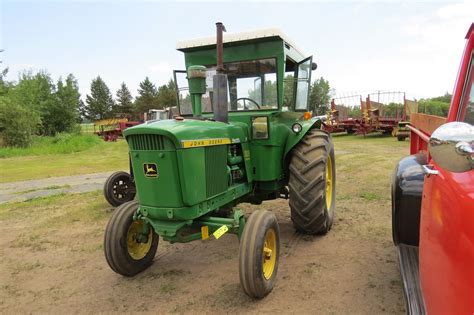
[{"x": 179, "y": 131}]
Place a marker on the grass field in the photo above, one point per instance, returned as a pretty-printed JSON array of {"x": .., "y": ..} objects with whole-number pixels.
[
  {"x": 99, "y": 156},
  {"x": 61, "y": 144},
  {"x": 53, "y": 258}
]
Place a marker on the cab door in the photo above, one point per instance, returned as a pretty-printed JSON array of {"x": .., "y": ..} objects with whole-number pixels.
[
  {"x": 182, "y": 92},
  {"x": 447, "y": 222},
  {"x": 303, "y": 84}
]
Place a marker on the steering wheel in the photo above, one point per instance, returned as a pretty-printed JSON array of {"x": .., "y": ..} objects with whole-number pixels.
[{"x": 246, "y": 99}]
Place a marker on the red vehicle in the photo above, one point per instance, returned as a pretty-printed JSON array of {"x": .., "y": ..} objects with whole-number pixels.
[
  {"x": 433, "y": 204},
  {"x": 111, "y": 129}
]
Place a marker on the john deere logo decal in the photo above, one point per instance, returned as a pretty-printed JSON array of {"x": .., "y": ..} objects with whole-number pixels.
[
  {"x": 204, "y": 142},
  {"x": 150, "y": 169}
]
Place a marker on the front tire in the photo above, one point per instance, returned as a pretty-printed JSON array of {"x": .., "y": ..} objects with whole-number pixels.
[
  {"x": 312, "y": 183},
  {"x": 127, "y": 250},
  {"x": 119, "y": 188},
  {"x": 259, "y": 254}
]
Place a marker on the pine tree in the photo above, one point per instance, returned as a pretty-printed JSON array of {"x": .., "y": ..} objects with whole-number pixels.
[
  {"x": 100, "y": 103},
  {"x": 124, "y": 99},
  {"x": 166, "y": 96},
  {"x": 146, "y": 99}
]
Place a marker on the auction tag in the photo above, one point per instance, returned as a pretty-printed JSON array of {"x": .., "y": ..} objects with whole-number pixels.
[
  {"x": 204, "y": 232},
  {"x": 220, "y": 231}
]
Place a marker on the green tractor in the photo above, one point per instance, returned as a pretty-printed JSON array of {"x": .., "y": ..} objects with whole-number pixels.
[{"x": 239, "y": 139}]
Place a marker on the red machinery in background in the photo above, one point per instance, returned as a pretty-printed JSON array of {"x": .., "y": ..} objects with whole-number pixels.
[
  {"x": 389, "y": 114},
  {"x": 111, "y": 129}
]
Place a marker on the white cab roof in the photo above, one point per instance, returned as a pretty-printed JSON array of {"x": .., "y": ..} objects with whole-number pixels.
[{"x": 236, "y": 37}]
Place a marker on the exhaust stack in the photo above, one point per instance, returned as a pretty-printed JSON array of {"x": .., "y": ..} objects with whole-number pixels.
[{"x": 219, "y": 100}]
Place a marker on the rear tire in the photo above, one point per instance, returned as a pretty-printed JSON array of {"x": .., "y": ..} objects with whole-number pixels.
[
  {"x": 401, "y": 138},
  {"x": 119, "y": 188},
  {"x": 125, "y": 253},
  {"x": 312, "y": 183},
  {"x": 259, "y": 254}
]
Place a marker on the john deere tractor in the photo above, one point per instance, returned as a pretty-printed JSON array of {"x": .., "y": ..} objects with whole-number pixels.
[{"x": 244, "y": 134}]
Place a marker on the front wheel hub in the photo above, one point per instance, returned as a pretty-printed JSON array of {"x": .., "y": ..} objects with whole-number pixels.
[
  {"x": 269, "y": 258},
  {"x": 138, "y": 244}
]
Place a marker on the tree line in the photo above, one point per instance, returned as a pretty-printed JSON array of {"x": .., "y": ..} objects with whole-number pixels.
[
  {"x": 100, "y": 104},
  {"x": 35, "y": 105}
]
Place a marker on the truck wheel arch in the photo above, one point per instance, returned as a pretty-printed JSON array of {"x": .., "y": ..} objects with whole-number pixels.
[{"x": 407, "y": 191}]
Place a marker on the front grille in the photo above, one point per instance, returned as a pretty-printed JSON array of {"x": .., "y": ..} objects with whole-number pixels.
[
  {"x": 149, "y": 142},
  {"x": 216, "y": 170}
]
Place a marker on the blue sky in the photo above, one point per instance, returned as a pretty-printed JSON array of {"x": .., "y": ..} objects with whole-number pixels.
[{"x": 359, "y": 46}]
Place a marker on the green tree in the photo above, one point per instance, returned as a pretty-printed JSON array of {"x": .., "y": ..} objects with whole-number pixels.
[
  {"x": 100, "y": 103},
  {"x": 433, "y": 107},
  {"x": 446, "y": 98},
  {"x": 3, "y": 82},
  {"x": 166, "y": 95},
  {"x": 392, "y": 110},
  {"x": 62, "y": 115},
  {"x": 147, "y": 97},
  {"x": 354, "y": 112},
  {"x": 36, "y": 93},
  {"x": 269, "y": 94},
  {"x": 81, "y": 109},
  {"x": 124, "y": 100},
  {"x": 320, "y": 96},
  {"x": 17, "y": 123},
  {"x": 288, "y": 88}
]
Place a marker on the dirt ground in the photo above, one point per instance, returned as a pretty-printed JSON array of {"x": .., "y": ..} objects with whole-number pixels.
[{"x": 52, "y": 261}]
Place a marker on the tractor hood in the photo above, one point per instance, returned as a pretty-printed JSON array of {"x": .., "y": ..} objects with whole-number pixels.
[{"x": 189, "y": 133}]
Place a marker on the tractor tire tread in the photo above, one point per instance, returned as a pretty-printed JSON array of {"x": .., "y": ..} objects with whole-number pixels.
[
  {"x": 108, "y": 189},
  {"x": 307, "y": 183},
  {"x": 115, "y": 243},
  {"x": 251, "y": 249}
]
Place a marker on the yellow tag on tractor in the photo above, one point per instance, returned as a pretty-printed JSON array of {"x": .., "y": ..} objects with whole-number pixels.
[{"x": 238, "y": 138}]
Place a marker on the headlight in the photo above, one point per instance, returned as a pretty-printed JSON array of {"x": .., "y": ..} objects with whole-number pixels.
[{"x": 296, "y": 128}]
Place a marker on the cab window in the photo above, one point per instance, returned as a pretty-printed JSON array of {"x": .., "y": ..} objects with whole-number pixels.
[
  {"x": 468, "y": 95},
  {"x": 252, "y": 85},
  {"x": 303, "y": 81}
]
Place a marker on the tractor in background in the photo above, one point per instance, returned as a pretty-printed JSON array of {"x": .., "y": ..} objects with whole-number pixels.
[
  {"x": 233, "y": 142},
  {"x": 433, "y": 204},
  {"x": 161, "y": 114}
]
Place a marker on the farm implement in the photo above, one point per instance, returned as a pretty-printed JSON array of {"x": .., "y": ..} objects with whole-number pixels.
[
  {"x": 112, "y": 129},
  {"x": 388, "y": 115},
  {"x": 233, "y": 143}
]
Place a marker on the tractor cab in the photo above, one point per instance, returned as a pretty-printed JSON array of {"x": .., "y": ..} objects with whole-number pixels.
[
  {"x": 265, "y": 72},
  {"x": 267, "y": 84}
]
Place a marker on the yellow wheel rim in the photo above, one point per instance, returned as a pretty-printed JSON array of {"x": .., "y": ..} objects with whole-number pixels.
[
  {"x": 136, "y": 249},
  {"x": 329, "y": 182},
  {"x": 269, "y": 254}
]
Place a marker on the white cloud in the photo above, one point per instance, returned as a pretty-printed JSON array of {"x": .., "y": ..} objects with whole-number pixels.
[
  {"x": 162, "y": 67},
  {"x": 457, "y": 10},
  {"x": 425, "y": 64}
]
